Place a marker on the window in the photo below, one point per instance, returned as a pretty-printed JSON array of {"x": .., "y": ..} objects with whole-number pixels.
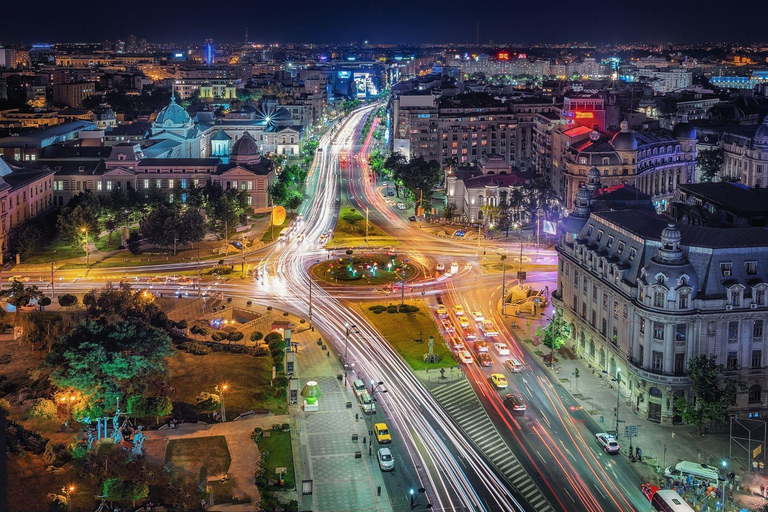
[
  {"x": 594, "y": 318},
  {"x": 684, "y": 300},
  {"x": 575, "y": 278},
  {"x": 760, "y": 296},
  {"x": 751, "y": 268},
  {"x": 642, "y": 326},
  {"x": 731, "y": 360},
  {"x": 195, "y": 182},
  {"x": 680, "y": 330},
  {"x": 146, "y": 183},
  {"x": 733, "y": 332},
  {"x": 657, "y": 361},
  {"x": 183, "y": 183},
  {"x": 109, "y": 184},
  {"x": 250, "y": 185},
  {"x": 679, "y": 364},
  {"x": 658, "y": 299},
  {"x": 585, "y": 286},
  {"x": 757, "y": 331},
  {"x": 609, "y": 243},
  {"x": 615, "y": 308},
  {"x": 234, "y": 184},
  {"x": 757, "y": 359},
  {"x": 250, "y": 200},
  {"x": 658, "y": 331},
  {"x": 170, "y": 183},
  {"x": 725, "y": 269},
  {"x": 755, "y": 394},
  {"x": 583, "y": 310},
  {"x": 604, "y": 328},
  {"x": 621, "y": 247},
  {"x": 594, "y": 293},
  {"x": 736, "y": 297},
  {"x": 599, "y": 235},
  {"x": 632, "y": 254},
  {"x": 158, "y": 183},
  {"x": 615, "y": 337},
  {"x": 170, "y": 198},
  {"x": 183, "y": 197},
  {"x": 98, "y": 186},
  {"x": 605, "y": 301}
]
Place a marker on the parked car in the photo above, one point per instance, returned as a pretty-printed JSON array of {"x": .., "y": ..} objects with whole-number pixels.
[
  {"x": 366, "y": 403},
  {"x": 382, "y": 434},
  {"x": 499, "y": 380},
  {"x": 412, "y": 218},
  {"x": 386, "y": 461},
  {"x": 607, "y": 442},
  {"x": 358, "y": 386}
]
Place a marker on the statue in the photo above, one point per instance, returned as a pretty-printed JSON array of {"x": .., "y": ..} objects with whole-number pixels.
[
  {"x": 90, "y": 440},
  {"x": 116, "y": 418},
  {"x": 117, "y": 436},
  {"x": 138, "y": 442}
]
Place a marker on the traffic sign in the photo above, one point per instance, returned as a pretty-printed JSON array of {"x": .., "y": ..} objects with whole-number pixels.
[
  {"x": 521, "y": 275},
  {"x": 630, "y": 431}
]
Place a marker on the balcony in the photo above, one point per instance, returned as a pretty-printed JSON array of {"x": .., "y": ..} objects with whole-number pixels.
[{"x": 657, "y": 378}]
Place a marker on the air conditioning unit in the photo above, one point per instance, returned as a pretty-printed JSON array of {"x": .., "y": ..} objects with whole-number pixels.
[
  {"x": 728, "y": 307},
  {"x": 753, "y": 306}
]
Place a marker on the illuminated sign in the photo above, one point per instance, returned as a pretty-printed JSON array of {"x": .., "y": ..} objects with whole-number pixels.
[
  {"x": 503, "y": 56},
  {"x": 344, "y": 75},
  {"x": 585, "y": 115},
  {"x": 178, "y": 55},
  {"x": 362, "y": 80},
  {"x": 522, "y": 56}
]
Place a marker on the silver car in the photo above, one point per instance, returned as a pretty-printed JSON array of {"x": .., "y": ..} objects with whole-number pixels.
[{"x": 386, "y": 461}]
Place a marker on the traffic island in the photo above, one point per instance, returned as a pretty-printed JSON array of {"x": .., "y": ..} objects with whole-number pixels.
[{"x": 365, "y": 269}]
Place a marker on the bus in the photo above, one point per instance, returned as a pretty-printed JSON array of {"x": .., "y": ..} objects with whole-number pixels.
[
  {"x": 343, "y": 158},
  {"x": 666, "y": 500}
]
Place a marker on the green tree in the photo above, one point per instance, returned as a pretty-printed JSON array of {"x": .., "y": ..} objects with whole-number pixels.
[
  {"x": 208, "y": 402},
  {"x": 554, "y": 334},
  {"x": 134, "y": 242},
  {"x": 19, "y": 295},
  {"x": 395, "y": 164},
  {"x": 73, "y": 221},
  {"x": 67, "y": 300},
  {"x": 125, "y": 490},
  {"x": 418, "y": 176},
  {"x": 106, "y": 361},
  {"x": 711, "y": 393},
  {"x": 710, "y": 162},
  {"x": 294, "y": 200},
  {"x": 376, "y": 161},
  {"x": 156, "y": 407},
  {"x": 450, "y": 211}
]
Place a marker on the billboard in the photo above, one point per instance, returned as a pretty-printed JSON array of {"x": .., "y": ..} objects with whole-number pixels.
[
  {"x": 361, "y": 84},
  {"x": 344, "y": 75}
]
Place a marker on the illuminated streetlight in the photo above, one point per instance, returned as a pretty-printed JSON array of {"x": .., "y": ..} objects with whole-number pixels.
[
  {"x": 87, "y": 253},
  {"x": 220, "y": 389}
]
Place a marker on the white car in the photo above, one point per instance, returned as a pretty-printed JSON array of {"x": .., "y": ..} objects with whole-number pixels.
[
  {"x": 477, "y": 316},
  {"x": 501, "y": 348},
  {"x": 454, "y": 268},
  {"x": 607, "y": 442},
  {"x": 465, "y": 357},
  {"x": 386, "y": 461},
  {"x": 440, "y": 267}
]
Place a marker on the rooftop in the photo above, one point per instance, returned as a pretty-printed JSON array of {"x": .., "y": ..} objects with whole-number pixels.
[{"x": 731, "y": 196}]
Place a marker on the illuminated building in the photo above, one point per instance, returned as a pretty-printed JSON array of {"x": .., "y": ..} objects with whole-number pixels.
[
  {"x": 745, "y": 154},
  {"x": 645, "y": 296}
]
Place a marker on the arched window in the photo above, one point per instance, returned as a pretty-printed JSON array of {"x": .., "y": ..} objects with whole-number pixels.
[
  {"x": 592, "y": 348},
  {"x": 602, "y": 357},
  {"x": 755, "y": 393},
  {"x": 656, "y": 392}
]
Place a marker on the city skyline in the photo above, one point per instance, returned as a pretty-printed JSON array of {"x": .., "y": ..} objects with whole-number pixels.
[{"x": 398, "y": 22}]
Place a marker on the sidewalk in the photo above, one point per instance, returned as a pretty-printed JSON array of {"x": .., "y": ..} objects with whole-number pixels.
[{"x": 324, "y": 449}]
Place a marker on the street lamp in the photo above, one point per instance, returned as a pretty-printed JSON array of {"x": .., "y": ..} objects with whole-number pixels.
[
  {"x": 87, "y": 253},
  {"x": 68, "y": 490},
  {"x": 347, "y": 330},
  {"x": 52, "y": 285},
  {"x": 220, "y": 390},
  {"x": 503, "y": 284},
  {"x": 618, "y": 398},
  {"x": 725, "y": 481},
  {"x": 415, "y": 497},
  {"x": 374, "y": 389},
  {"x": 67, "y": 400}
]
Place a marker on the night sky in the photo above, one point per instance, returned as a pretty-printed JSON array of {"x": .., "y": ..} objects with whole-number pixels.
[{"x": 411, "y": 21}]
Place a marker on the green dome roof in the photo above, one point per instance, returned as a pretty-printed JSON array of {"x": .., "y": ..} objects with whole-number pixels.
[{"x": 173, "y": 116}]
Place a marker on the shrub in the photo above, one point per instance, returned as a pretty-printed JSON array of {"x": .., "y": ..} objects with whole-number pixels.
[
  {"x": 279, "y": 367},
  {"x": 285, "y": 427},
  {"x": 257, "y": 335},
  {"x": 218, "y": 336},
  {"x": 43, "y": 408},
  {"x": 272, "y": 336},
  {"x": 5, "y": 404},
  {"x": 391, "y": 309},
  {"x": 44, "y": 301},
  {"x": 269, "y": 308},
  {"x": 249, "y": 303},
  {"x": 276, "y": 427},
  {"x": 195, "y": 348},
  {"x": 229, "y": 299},
  {"x": 182, "y": 324},
  {"x": 280, "y": 382},
  {"x": 67, "y": 300},
  {"x": 256, "y": 434},
  {"x": 260, "y": 352},
  {"x": 302, "y": 321},
  {"x": 235, "y": 336},
  {"x": 237, "y": 349},
  {"x": 285, "y": 314}
]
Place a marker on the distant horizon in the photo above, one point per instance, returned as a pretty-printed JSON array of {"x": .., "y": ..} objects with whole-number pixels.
[{"x": 406, "y": 22}]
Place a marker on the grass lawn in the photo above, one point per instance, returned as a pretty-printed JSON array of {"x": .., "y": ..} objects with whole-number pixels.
[
  {"x": 338, "y": 270},
  {"x": 248, "y": 379},
  {"x": 400, "y": 329},
  {"x": 350, "y": 231},
  {"x": 278, "y": 444},
  {"x": 191, "y": 455}
]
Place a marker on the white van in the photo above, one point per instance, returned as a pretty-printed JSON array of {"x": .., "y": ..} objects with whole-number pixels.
[
  {"x": 359, "y": 387},
  {"x": 514, "y": 365},
  {"x": 365, "y": 401},
  {"x": 694, "y": 469}
]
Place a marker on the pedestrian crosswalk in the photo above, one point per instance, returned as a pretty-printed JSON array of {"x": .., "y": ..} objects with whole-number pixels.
[{"x": 459, "y": 400}]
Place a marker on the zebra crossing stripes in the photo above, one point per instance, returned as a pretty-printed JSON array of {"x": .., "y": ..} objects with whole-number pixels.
[{"x": 459, "y": 400}]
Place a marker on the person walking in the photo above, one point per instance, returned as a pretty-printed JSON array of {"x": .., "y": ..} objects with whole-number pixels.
[{"x": 639, "y": 454}]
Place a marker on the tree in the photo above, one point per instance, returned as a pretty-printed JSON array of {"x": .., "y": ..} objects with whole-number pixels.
[
  {"x": 208, "y": 402},
  {"x": 105, "y": 361},
  {"x": 294, "y": 200},
  {"x": 419, "y": 177},
  {"x": 376, "y": 162},
  {"x": 19, "y": 295},
  {"x": 110, "y": 225},
  {"x": 450, "y": 211},
  {"x": 42, "y": 331},
  {"x": 117, "y": 303},
  {"x": 134, "y": 242},
  {"x": 710, "y": 162},
  {"x": 156, "y": 407},
  {"x": 125, "y": 490},
  {"x": 67, "y": 300},
  {"x": 73, "y": 221},
  {"x": 395, "y": 163},
  {"x": 711, "y": 394},
  {"x": 554, "y": 334},
  {"x": 43, "y": 302}
]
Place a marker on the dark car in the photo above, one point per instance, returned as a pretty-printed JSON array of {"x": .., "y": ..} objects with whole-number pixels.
[
  {"x": 412, "y": 218},
  {"x": 514, "y": 403}
]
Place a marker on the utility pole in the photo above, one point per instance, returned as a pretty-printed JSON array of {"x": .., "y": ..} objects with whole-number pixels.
[
  {"x": 479, "y": 236},
  {"x": 310, "y": 302},
  {"x": 503, "y": 284},
  {"x": 618, "y": 398},
  {"x": 346, "y": 350},
  {"x": 199, "y": 275},
  {"x": 366, "y": 225},
  {"x": 53, "y": 291}
]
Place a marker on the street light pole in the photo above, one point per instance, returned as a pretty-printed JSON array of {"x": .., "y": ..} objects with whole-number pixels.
[
  {"x": 221, "y": 389},
  {"x": 415, "y": 497},
  {"x": 199, "y": 275},
  {"x": 87, "y": 252},
  {"x": 374, "y": 390},
  {"x": 618, "y": 398},
  {"x": 53, "y": 290},
  {"x": 503, "y": 284},
  {"x": 346, "y": 349}
]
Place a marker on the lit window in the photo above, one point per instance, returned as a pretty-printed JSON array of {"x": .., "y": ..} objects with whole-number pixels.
[
  {"x": 170, "y": 183},
  {"x": 109, "y": 184}
]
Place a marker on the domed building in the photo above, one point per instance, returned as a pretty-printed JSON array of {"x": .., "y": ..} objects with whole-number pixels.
[
  {"x": 745, "y": 154},
  {"x": 644, "y": 296},
  {"x": 653, "y": 161},
  {"x": 245, "y": 151},
  {"x": 177, "y": 134}
]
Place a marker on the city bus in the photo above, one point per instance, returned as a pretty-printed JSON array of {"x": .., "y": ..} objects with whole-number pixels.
[{"x": 343, "y": 158}]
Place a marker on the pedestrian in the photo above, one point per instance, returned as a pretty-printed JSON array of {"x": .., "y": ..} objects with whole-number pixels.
[
  {"x": 754, "y": 466},
  {"x": 762, "y": 467},
  {"x": 639, "y": 454},
  {"x": 673, "y": 435},
  {"x": 762, "y": 490}
]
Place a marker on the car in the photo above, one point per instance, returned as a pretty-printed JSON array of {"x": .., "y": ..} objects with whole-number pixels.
[
  {"x": 499, "y": 380},
  {"x": 29, "y": 307},
  {"x": 465, "y": 357},
  {"x": 484, "y": 359},
  {"x": 455, "y": 267},
  {"x": 607, "y": 442},
  {"x": 514, "y": 403},
  {"x": 382, "y": 434},
  {"x": 400, "y": 206},
  {"x": 481, "y": 347},
  {"x": 447, "y": 325},
  {"x": 386, "y": 461},
  {"x": 458, "y": 310},
  {"x": 488, "y": 329},
  {"x": 367, "y": 403},
  {"x": 358, "y": 387},
  {"x": 390, "y": 193},
  {"x": 464, "y": 322},
  {"x": 477, "y": 316},
  {"x": 18, "y": 278},
  {"x": 458, "y": 345},
  {"x": 440, "y": 267},
  {"x": 442, "y": 311},
  {"x": 412, "y": 218},
  {"x": 469, "y": 335},
  {"x": 501, "y": 348}
]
